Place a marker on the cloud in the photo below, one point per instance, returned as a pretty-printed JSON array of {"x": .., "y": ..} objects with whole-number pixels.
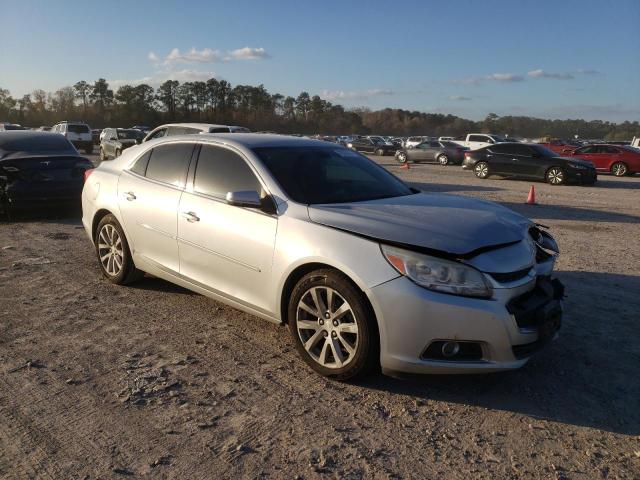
[
  {"x": 459, "y": 98},
  {"x": 349, "y": 95},
  {"x": 588, "y": 71},
  {"x": 248, "y": 53},
  {"x": 505, "y": 77},
  {"x": 494, "y": 77},
  {"x": 544, "y": 74},
  {"x": 208, "y": 55}
]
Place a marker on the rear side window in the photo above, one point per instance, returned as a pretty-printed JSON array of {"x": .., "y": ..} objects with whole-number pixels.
[
  {"x": 219, "y": 130},
  {"x": 220, "y": 171},
  {"x": 169, "y": 163},
  {"x": 75, "y": 128},
  {"x": 140, "y": 166},
  {"x": 478, "y": 138}
]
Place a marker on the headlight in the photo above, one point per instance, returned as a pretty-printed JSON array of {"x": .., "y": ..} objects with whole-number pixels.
[
  {"x": 577, "y": 165},
  {"x": 438, "y": 274}
]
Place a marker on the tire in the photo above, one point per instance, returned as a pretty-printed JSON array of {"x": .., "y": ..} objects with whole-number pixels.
[
  {"x": 481, "y": 169},
  {"x": 619, "y": 169},
  {"x": 118, "y": 153},
  {"x": 556, "y": 176},
  {"x": 103, "y": 157},
  {"x": 107, "y": 235},
  {"x": 443, "y": 159},
  {"x": 401, "y": 157},
  {"x": 380, "y": 152},
  {"x": 341, "y": 348}
]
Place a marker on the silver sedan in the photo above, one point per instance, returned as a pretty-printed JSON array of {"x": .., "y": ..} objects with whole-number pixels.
[{"x": 365, "y": 271}]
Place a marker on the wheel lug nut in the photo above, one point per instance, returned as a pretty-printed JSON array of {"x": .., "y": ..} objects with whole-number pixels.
[
  {"x": 321, "y": 321},
  {"x": 325, "y": 334},
  {"x": 335, "y": 323},
  {"x": 334, "y": 334}
]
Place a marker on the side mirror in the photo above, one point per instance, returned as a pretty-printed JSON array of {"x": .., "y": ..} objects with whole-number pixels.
[{"x": 246, "y": 198}]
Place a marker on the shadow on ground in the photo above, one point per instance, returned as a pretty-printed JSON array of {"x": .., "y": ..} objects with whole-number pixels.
[
  {"x": 587, "y": 377},
  {"x": 560, "y": 212},
  {"x": 449, "y": 187}
]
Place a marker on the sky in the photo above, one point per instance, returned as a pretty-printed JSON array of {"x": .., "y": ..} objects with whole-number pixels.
[{"x": 549, "y": 59}]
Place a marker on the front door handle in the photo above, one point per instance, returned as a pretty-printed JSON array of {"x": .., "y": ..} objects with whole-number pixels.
[
  {"x": 515, "y": 160},
  {"x": 130, "y": 196},
  {"x": 190, "y": 217}
]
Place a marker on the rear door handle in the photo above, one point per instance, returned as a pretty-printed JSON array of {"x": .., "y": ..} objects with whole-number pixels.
[
  {"x": 190, "y": 217},
  {"x": 515, "y": 160},
  {"x": 130, "y": 196}
]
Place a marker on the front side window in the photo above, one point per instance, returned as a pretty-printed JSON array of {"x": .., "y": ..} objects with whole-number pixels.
[
  {"x": 317, "y": 175},
  {"x": 78, "y": 128},
  {"x": 159, "y": 134},
  {"x": 478, "y": 138},
  {"x": 220, "y": 171},
  {"x": 169, "y": 163},
  {"x": 219, "y": 130}
]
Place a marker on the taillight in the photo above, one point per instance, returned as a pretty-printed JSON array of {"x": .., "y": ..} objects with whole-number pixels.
[
  {"x": 467, "y": 154},
  {"x": 87, "y": 173}
]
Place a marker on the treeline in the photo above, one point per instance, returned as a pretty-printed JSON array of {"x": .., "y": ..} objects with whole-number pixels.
[{"x": 217, "y": 101}]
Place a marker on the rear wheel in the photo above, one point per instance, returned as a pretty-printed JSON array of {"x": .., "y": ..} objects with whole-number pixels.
[
  {"x": 103, "y": 157},
  {"x": 114, "y": 256},
  {"x": 481, "y": 169},
  {"x": 443, "y": 159},
  {"x": 332, "y": 325},
  {"x": 401, "y": 157},
  {"x": 118, "y": 153},
  {"x": 380, "y": 152},
  {"x": 556, "y": 176},
  {"x": 619, "y": 169}
]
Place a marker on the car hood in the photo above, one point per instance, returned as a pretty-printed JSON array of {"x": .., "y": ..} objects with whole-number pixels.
[{"x": 450, "y": 224}]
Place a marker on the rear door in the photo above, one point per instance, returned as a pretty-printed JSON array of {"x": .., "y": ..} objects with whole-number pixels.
[
  {"x": 226, "y": 248},
  {"x": 590, "y": 153},
  {"x": 500, "y": 158},
  {"x": 149, "y": 194}
]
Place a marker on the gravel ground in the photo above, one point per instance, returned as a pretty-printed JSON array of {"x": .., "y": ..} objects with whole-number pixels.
[{"x": 101, "y": 381}]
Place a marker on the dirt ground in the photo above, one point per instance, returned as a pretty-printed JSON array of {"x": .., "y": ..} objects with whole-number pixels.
[{"x": 101, "y": 381}]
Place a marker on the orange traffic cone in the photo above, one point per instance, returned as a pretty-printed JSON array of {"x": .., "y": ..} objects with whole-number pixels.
[
  {"x": 531, "y": 199},
  {"x": 405, "y": 166}
]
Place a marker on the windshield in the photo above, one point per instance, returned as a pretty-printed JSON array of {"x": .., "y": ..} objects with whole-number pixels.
[
  {"x": 313, "y": 175},
  {"x": 130, "y": 134}
]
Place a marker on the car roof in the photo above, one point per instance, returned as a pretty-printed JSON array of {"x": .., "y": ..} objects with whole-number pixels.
[
  {"x": 203, "y": 126},
  {"x": 253, "y": 140}
]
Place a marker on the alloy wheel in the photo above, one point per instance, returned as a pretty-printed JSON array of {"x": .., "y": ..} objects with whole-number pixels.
[
  {"x": 619, "y": 169},
  {"x": 110, "y": 250},
  {"x": 402, "y": 157},
  {"x": 443, "y": 159},
  {"x": 481, "y": 170},
  {"x": 555, "y": 176},
  {"x": 327, "y": 327}
]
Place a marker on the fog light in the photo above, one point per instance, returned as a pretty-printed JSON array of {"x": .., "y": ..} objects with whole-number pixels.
[{"x": 450, "y": 349}]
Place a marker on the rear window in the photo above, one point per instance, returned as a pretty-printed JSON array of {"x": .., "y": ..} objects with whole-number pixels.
[
  {"x": 78, "y": 128},
  {"x": 36, "y": 142}
]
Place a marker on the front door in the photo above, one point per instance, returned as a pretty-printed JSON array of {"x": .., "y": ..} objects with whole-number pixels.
[{"x": 226, "y": 248}]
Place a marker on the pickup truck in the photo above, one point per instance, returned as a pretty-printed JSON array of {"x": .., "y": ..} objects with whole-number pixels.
[{"x": 473, "y": 141}]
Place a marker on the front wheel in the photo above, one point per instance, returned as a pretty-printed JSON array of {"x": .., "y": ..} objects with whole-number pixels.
[
  {"x": 556, "y": 176},
  {"x": 380, "y": 152},
  {"x": 481, "y": 170},
  {"x": 114, "y": 255},
  {"x": 401, "y": 157},
  {"x": 619, "y": 169},
  {"x": 332, "y": 325},
  {"x": 103, "y": 156}
]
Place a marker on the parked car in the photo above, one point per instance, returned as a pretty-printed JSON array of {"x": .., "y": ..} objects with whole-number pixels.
[
  {"x": 10, "y": 126},
  {"x": 116, "y": 140},
  {"x": 473, "y": 141},
  {"x": 365, "y": 270},
  {"x": 96, "y": 135},
  {"x": 372, "y": 145},
  {"x": 39, "y": 169},
  {"x": 444, "y": 153},
  {"x": 618, "y": 160},
  {"x": 142, "y": 128},
  {"x": 77, "y": 133},
  {"x": 560, "y": 146},
  {"x": 530, "y": 161},
  {"x": 191, "y": 128}
]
